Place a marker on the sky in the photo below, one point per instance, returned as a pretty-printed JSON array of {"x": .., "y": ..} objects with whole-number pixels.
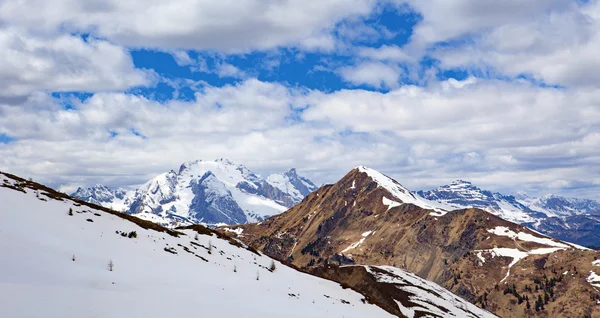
[{"x": 501, "y": 93}]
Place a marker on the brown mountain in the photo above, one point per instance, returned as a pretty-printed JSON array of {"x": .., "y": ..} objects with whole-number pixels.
[{"x": 369, "y": 219}]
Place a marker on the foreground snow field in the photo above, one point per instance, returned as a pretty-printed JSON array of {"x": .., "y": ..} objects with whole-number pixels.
[{"x": 207, "y": 276}]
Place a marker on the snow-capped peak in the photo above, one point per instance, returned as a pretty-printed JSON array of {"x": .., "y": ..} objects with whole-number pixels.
[
  {"x": 290, "y": 182},
  {"x": 210, "y": 192},
  {"x": 402, "y": 193},
  {"x": 102, "y": 195}
]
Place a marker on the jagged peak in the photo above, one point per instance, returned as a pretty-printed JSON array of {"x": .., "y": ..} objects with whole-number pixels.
[
  {"x": 228, "y": 162},
  {"x": 461, "y": 182},
  {"x": 291, "y": 172}
]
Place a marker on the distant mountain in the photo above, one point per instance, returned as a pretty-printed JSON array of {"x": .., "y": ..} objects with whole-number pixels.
[
  {"x": 291, "y": 183},
  {"x": 367, "y": 218},
  {"x": 569, "y": 219},
  {"x": 554, "y": 205},
  {"x": 104, "y": 196},
  {"x": 209, "y": 192}
]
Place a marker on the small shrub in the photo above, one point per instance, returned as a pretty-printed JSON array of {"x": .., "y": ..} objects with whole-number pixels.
[
  {"x": 132, "y": 234},
  {"x": 71, "y": 211},
  {"x": 90, "y": 220}
]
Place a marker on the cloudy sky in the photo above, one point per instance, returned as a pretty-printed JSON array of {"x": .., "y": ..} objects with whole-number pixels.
[{"x": 502, "y": 93}]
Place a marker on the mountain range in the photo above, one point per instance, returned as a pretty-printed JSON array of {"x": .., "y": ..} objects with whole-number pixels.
[
  {"x": 208, "y": 192},
  {"x": 78, "y": 259},
  {"x": 223, "y": 192},
  {"x": 367, "y": 218},
  {"x": 571, "y": 219}
]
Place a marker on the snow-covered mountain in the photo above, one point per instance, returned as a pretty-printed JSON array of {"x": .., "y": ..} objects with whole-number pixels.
[
  {"x": 462, "y": 194},
  {"x": 555, "y": 205},
  {"x": 569, "y": 219},
  {"x": 99, "y": 194},
  {"x": 63, "y": 258},
  {"x": 293, "y": 184},
  {"x": 209, "y": 192}
]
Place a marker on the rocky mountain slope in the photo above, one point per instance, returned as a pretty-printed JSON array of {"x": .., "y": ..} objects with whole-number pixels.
[
  {"x": 208, "y": 192},
  {"x": 570, "y": 219},
  {"x": 369, "y": 219},
  {"x": 75, "y": 259}
]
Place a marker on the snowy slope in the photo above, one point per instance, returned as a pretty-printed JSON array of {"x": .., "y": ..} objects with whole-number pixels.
[
  {"x": 424, "y": 298},
  {"x": 208, "y": 192},
  {"x": 39, "y": 240}
]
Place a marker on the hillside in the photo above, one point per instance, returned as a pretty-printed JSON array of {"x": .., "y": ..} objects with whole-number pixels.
[
  {"x": 57, "y": 265},
  {"x": 206, "y": 192},
  {"x": 369, "y": 219}
]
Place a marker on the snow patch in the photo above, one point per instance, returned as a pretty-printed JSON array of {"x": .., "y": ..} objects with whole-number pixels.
[
  {"x": 522, "y": 236},
  {"x": 390, "y": 204},
  {"x": 593, "y": 279}
]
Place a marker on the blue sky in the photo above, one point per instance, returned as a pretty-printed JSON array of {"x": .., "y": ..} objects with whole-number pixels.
[{"x": 504, "y": 94}]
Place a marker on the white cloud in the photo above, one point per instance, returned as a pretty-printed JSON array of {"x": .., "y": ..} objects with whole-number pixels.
[
  {"x": 228, "y": 70},
  {"x": 30, "y": 63},
  {"x": 385, "y": 53},
  {"x": 497, "y": 134},
  {"x": 374, "y": 74},
  {"x": 555, "y": 42},
  {"x": 230, "y": 26}
]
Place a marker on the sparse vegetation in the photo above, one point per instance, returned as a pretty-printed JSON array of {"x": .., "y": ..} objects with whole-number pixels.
[{"x": 132, "y": 234}]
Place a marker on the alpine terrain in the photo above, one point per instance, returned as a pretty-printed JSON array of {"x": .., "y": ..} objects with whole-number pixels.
[
  {"x": 570, "y": 219},
  {"x": 368, "y": 224},
  {"x": 208, "y": 192},
  {"x": 77, "y": 259}
]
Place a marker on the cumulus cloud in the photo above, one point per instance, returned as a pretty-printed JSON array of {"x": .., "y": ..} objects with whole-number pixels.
[
  {"x": 499, "y": 134},
  {"x": 236, "y": 26},
  {"x": 503, "y": 134},
  {"x": 30, "y": 63},
  {"x": 553, "y": 42},
  {"x": 374, "y": 74}
]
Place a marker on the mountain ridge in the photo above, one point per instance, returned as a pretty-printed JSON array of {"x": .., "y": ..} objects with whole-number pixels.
[
  {"x": 230, "y": 194},
  {"x": 571, "y": 219}
]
